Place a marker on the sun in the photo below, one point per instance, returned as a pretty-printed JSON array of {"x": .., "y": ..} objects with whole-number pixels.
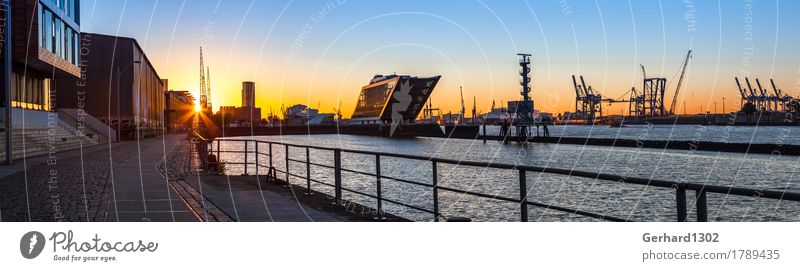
[{"x": 197, "y": 107}]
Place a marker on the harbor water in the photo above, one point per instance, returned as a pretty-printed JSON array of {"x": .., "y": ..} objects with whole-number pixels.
[{"x": 627, "y": 201}]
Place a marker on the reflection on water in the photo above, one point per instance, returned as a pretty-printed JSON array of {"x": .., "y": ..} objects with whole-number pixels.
[{"x": 620, "y": 200}]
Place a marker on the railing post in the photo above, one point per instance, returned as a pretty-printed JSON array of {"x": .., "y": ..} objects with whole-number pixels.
[
  {"x": 308, "y": 172},
  {"x": 523, "y": 196},
  {"x": 337, "y": 175},
  {"x": 484, "y": 132},
  {"x": 270, "y": 155},
  {"x": 256, "y": 153},
  {"x": 680, "y": 197},
  {"x": 378, "y": 185},
  {"x": 435, "y": 192},
  {"x": 219, "y": 158},
  {"x": 203, "y": 148},
  {"x": 245, "y": 158},
  {"x": 702, "y": 207},
  {"x": 287, "y": 164}
]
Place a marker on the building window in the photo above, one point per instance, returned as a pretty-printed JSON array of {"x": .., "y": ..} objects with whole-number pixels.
[
  {"x": 68, "y": 45},
  {"x": 58, "y": 33},
  {"x": 42, "y": 28},
  {"x": 30, "y": 92},
  {"x": 47, "y": 32},
  {"x": 53, "y": 35},
  {"x": 77, "y": 47}
]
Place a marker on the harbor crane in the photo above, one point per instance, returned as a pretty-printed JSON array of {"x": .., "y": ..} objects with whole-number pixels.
[
  {"x": 762, "y": 99},
  {"x": 474, "y": 110},
  {"x": 463, "y": 111},
  {"x": 680, "y": 83},
  {"x": 588, "y": 103},
  {"x": 644, "y": 73}
]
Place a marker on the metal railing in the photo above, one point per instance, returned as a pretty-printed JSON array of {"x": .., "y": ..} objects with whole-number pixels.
[{"x": 680, "y": 188}]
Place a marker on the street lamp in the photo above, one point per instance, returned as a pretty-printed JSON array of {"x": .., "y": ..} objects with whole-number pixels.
[{"x": 723, "y": 105}]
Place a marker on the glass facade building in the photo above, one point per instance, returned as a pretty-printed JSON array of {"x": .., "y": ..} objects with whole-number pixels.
[
  {"x": 52, "y": 50},
  {"x": 56, "y": 34},
  {"x": 387, "y": 98}
]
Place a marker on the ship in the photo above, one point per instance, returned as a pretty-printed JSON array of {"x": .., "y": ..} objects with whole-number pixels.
[{"x": 392, "y": 101}]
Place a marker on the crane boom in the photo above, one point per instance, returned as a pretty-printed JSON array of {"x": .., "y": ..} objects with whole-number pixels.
[
  {"x": 644, "y": 74},
  {"x": 460, "y": 90},
  {"x": 680, "y": 82}
]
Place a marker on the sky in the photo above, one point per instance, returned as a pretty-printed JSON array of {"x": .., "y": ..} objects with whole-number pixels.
[{"x": 320, "y": 53}]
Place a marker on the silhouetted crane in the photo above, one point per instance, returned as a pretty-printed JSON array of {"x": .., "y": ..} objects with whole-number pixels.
[{"x": 680, "y": 82}]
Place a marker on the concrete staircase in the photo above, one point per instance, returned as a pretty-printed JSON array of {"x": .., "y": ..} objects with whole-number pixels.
[{"x": 36, "y": 141}]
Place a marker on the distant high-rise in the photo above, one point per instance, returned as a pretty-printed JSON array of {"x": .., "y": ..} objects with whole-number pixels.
[{"x": 248, "y": 94}]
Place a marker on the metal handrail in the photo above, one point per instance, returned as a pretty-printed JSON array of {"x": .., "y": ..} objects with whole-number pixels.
[{"x": 701, "y": 190}]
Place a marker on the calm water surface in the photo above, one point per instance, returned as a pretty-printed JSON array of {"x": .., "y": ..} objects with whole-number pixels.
[{"x": 620, "y": 200}]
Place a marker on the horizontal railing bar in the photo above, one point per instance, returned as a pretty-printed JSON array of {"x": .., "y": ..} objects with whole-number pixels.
[
  {"x": 321, "y": 165},
  {"x": 407, "y": 205},
  {"x": 359, "y": 172},
  {"x": 295, "y": 160},
  {"x": 406, "y": 181},
  {"x": 730, "y": 190},
  {"x": 323, "y": 183},
  {"x": 477, "y": 194},
  {"x": 312, "y": 180},
  {"x": 359, "y": 192},
  {"x": 575, "y": 211}
]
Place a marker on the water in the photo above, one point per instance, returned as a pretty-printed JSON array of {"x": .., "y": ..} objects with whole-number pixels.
[
  {"x": 789, "y": 135},
  {"x": 620, "y": 200}
]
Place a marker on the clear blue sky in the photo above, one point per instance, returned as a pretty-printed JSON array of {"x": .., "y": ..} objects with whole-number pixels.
[{"x": 320, "y": 52}]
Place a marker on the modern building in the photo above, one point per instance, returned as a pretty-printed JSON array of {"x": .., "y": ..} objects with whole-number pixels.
[
  {"x": 42, "y": 48},
  {"x": 179, "y": 110},
  {"x": 392, "y": 99},
  {"x": 248, "y": 94},
  {"x": 45, "y": 49},
  {"x": 123, "y": 88}
]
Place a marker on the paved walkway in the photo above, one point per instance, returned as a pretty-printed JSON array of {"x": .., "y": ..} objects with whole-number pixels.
[
  {"x": 244, "y": 199},
  {"x": 153, "y": 179},
  {"x": 140, "y": 191},
  {"x": 111, "y": 182}
]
